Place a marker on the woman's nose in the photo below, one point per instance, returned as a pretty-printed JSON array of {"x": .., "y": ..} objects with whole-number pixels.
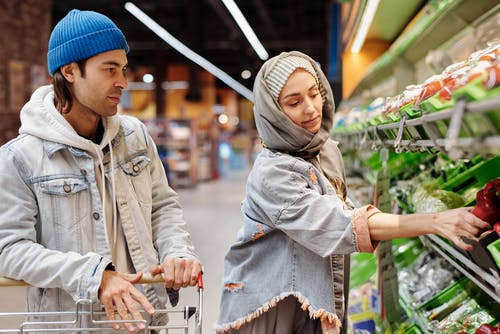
[{"x": 309, "y": 106}]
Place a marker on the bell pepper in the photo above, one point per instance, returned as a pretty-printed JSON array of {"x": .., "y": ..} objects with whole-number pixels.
[
  {"x": 485, "y": 329},
  {"x": 488, "y": 202}
]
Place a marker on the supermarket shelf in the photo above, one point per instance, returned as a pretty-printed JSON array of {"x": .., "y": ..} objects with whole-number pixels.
[
  {"x": 375, "y": 136},
  {"x": 484, "y": 280}
]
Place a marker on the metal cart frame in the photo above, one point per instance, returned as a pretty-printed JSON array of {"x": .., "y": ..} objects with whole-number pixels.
[{"x": 85, "y": 314}]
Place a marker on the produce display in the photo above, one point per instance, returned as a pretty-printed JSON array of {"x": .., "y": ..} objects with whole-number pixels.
[
  {"x": 476, "y": 78},
  {"x": 434, "y": 133},
  {"x": 428, "y": 275}
]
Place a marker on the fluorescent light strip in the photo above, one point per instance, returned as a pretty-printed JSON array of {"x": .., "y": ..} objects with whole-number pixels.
[
  {"x": 190, "y": 54},
  {"x": 247, "y": 30},
  {"x": 366, "y": 21}
]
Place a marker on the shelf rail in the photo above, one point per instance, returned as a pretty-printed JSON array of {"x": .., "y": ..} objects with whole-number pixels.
[
  {"x": 488, "y": 282},
  {"x": 375, "y": 135}
]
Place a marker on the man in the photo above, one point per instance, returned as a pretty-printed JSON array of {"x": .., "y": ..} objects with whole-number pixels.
[{"x": 86, "y": 207}]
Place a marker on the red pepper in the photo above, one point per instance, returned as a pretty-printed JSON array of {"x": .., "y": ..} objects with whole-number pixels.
[
  {"x": 488, "y": 202},
  {"x": 485, "y": 329}
]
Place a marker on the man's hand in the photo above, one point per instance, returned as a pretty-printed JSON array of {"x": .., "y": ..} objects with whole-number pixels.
[
  {"x": 178, "y": 272},
  {"x": 117, "y": 290}
]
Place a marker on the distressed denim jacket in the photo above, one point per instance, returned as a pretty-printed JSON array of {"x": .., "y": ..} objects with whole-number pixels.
[
  {"x": 293, "y": 221},
  {"x": 52, "y": 229}
]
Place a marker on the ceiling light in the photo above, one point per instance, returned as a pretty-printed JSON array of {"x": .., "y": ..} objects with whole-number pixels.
[
  {"x": 147, "y": 78},
  {"x": 223, "y": 119},
  {"x": 366, "y": 21},
  {"x": 190, "y": 54},
  {"x": 246, "y": 29}
]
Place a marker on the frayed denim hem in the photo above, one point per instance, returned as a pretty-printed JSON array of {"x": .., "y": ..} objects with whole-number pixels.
[{"x": 321, "y": 314}]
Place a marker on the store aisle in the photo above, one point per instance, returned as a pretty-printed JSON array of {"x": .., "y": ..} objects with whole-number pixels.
[{"x": 212, "y": 211}]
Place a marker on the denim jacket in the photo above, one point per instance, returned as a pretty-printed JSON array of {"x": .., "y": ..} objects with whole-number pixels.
[
  {"x": 52, "y": 228},
  {"x": 293, "y": 221}
]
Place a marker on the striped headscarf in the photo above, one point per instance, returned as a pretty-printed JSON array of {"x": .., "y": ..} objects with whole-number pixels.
[{"x": 282, "y": 70}]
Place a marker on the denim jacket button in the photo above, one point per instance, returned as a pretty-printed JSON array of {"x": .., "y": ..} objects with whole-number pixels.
[
  {"x": 67, "y": 188},
  {"x": 96, "y": 215},
  {"x": 83, "y": 171},
  {"x": 135, "y": 168}
]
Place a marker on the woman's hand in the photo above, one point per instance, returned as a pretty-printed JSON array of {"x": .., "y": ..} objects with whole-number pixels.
[{"x": 458, "y": 223}]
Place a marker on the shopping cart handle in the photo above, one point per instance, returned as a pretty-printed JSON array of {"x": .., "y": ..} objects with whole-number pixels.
[
  {"x": 200, "y": 280},
  {"x": 4, "y": 281},
  {"x": 146, "y": 279}
]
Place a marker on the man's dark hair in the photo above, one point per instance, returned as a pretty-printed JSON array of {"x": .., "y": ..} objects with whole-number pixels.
[{"x": 63, "y": 98}]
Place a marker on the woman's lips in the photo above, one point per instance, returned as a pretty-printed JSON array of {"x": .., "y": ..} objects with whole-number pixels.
[{"x": 312, "y": 121}]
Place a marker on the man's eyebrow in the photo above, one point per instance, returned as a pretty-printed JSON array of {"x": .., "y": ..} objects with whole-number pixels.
[{"x": 113, "y": 63}]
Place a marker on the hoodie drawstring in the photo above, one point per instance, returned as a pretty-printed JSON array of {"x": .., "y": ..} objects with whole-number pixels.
[{"x": 113, "y": 195}]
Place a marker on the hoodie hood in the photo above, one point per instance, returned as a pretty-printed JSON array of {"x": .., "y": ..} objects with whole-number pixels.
[
  {"x": 277, "y": 131},
  {"x": 40, "y": 118}
]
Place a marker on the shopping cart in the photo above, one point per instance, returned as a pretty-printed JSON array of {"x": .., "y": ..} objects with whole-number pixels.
[{"x": 84, "y": 319}]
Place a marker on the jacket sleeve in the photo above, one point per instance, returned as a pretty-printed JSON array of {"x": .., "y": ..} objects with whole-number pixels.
[
  {"x": 284, "y": 195},
  {"x": 22, "y": 257},
  {"x": 170, "y": 231}
]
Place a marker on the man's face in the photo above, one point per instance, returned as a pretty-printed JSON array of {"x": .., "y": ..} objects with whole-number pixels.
[{"x": 100, "y": 88}]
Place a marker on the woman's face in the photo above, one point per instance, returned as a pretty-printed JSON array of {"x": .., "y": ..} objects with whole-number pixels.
[{"x": 301, "y": 101}]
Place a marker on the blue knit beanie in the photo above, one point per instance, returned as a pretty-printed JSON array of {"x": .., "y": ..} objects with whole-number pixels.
[{"x": 81, "y": 35}]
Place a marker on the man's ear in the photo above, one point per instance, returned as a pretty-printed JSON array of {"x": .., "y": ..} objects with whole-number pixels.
[{"x": 68, "y": 71}]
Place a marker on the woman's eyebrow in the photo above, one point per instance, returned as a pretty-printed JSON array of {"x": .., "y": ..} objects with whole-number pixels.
[
  {"x": 290, "y": 95},
  {"x": 314, "y": 86}
]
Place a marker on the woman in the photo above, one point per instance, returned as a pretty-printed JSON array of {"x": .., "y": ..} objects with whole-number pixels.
[{"x": 287, "y": 271}]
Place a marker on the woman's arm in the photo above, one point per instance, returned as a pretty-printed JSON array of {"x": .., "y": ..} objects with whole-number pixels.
[{"x": 451, "y": 224}]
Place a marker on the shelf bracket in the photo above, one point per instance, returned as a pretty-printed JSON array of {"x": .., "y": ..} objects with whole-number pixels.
[
  {"x": 454, "y": 128},
  {"x": 399, "y": 136}
]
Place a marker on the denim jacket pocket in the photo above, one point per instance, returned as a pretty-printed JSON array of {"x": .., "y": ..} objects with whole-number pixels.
[
  {"x": 63, "y": 186},
  {"x": 137, "y": 170},
  {"x": 68, "y": 199},
  {"x": 135, "y": 165}
]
